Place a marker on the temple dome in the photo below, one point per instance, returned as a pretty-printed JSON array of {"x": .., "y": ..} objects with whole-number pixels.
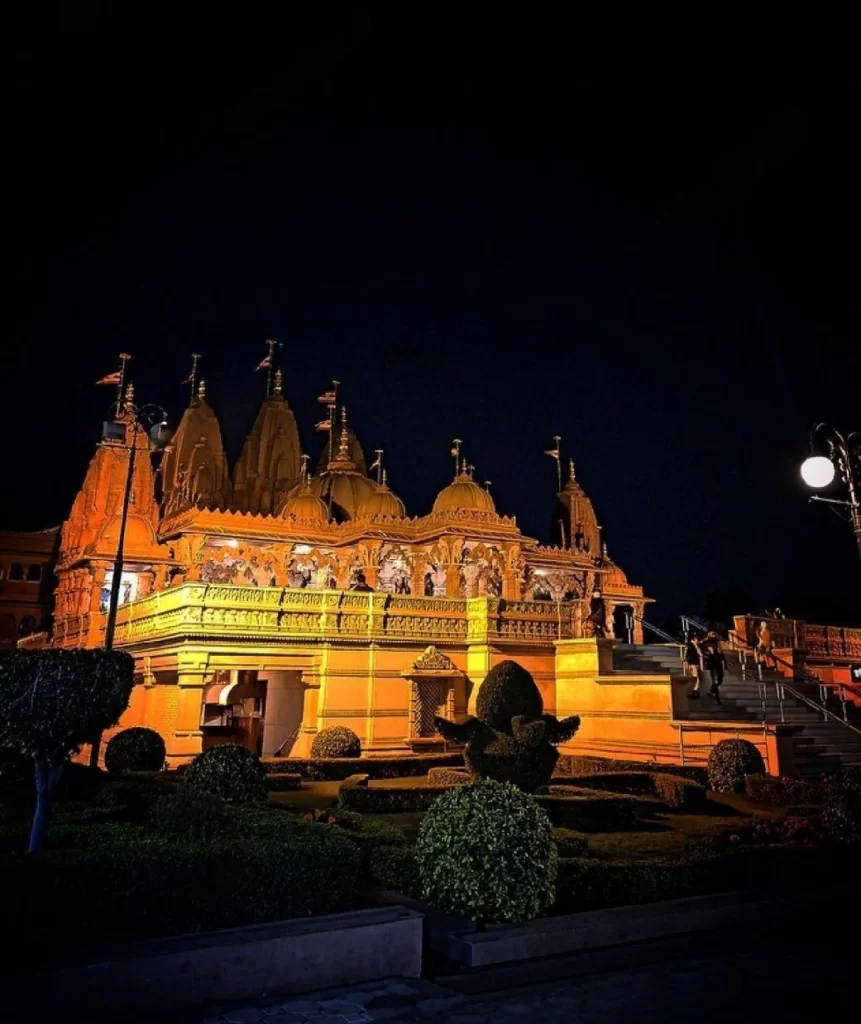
[
  {"x": 306, "y": 505},
  {"x": 382, "y": 502},
  {"x": 463, "y": 493},
  {"x": 346, "y": 490}
]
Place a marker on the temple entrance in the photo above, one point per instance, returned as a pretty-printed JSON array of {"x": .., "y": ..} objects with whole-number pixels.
[
  {"x": 432, "y": 678},
  {"x": 623, "y": 623},
  {"x": 234, "y": 710}
]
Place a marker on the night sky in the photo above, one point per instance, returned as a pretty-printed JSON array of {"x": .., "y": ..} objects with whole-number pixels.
[{"x": 498, "y": 231}]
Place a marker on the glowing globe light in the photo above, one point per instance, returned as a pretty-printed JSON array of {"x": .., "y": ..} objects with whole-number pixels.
[{"x": 817, "y": 471}]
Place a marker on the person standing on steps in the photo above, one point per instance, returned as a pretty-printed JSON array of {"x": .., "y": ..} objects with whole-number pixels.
[
  {"x": 716, "y": 662},
  {"x": 694, "y": 662},
  {"x": 764, "y": 645}
]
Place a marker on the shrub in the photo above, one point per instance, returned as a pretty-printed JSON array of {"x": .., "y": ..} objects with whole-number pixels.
[
  {"x": 729, "y": 762},
  {"x": 135, "y": 750},
  {"x": 672, "y": 790},
  {"x": 396, "y": 868},
  {"x": 508, "y": 690},
  {"x": 510, "y": 740},
  {"x": 118, "y": 891},
  {"x": 133, "y": 799},
  {"x": 776, "y": 791},
  {"x": 594, "y": 811},
  {"x": 338, "y": 741},
  {"x": 229, "y": 772},
  {"x": 448, "y": 777},
  {"x": 678, "y": 793},
  {"x": 841, "y": 810},
  {"x": 193, "y": 817},
  {"x": 570, "y": 843},
  {"x": 389, "y": 800},
  {"x": 486, "y": 851},
  {"x": 579, "y": 764}
]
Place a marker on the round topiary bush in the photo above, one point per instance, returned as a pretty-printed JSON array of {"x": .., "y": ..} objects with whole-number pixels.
[
  {"x": 508, "y": 690},
  {"x": 228, "y": 772},
  {"x": 841, "y": 808},
  {"x": 729, "y": 762},
  {"x": 486, "y": 851},
  {"x": 338, "y": 741},
  {"x": 135, "y": 750}
]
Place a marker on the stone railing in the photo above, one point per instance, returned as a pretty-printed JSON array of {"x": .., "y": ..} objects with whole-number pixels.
[
  {"x": 269, "y": 613},
  {"x": 832, "y": 643}
]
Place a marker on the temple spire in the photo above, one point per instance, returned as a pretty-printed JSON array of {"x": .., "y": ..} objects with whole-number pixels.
[
  {"x": 276, "y": 388},
  {"x": 191, "y": 379},
  {"x": 455, "y": 453},
  {"x": 201, "y": 390},
  {"x": 121, "y": 383},
  {"x": 377, "y": 465}
]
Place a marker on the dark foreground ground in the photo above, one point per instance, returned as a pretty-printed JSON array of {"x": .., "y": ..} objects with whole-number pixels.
[{"x": 705, "y": 977}]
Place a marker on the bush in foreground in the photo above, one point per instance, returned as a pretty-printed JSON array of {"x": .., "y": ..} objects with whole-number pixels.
[
  {"x": 841, "y": 810},
  {"x": 337, "y": 741},
  {"x": 729, "y": 762},
  {"x": 135, "y": 750},
  {"x": 228, "y": 772},
  {"x": 486, "y": 851}
]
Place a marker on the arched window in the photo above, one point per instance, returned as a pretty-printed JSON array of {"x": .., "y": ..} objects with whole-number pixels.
[
  {"x": 16, "y": 572},
  {"x": 34, "y": 573}
]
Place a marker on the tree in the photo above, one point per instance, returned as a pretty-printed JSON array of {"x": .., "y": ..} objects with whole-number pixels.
[{"x": 51, "y": 702}]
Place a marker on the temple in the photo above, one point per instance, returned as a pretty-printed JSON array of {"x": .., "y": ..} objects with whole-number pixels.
[{"x": 264, "y": 604}]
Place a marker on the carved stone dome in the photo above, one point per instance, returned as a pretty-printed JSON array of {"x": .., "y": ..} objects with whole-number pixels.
[
  {"x": 463, "y": 493},
  {"x": 382, "y": 502},
  {"x": 306, "y": 505}
]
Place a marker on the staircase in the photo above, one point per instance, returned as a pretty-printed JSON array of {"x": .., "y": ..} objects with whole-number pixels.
[{"x": 821, "y": 743}]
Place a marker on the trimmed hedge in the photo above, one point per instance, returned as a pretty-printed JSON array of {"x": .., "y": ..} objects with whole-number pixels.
[
  {"x": 389, "y": 799},
  {"x": 337, "y": 769},
  {"x": 575, "y": 764},
  {"x": 336, "y": 741},
  {"x": 448, "y": 777},
  {"x": 776, "y": 791},
  {"x": 396, "y": 868},
  {"x": 280, "y": 782},
  {"x": 508, "y": 690},
  {"x": 570, "y": 843},
  {"x": 486, "y": 851},
  {"x": 730, "y": 761},
  {"x": 593, "y": 810},
  {"x": 136, "y": 750},
  {"x": 229, "y": 772},
  {"x": 125, "y": 891}
]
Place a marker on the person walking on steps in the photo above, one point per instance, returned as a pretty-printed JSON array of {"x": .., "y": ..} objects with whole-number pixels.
[
  {"x": 715, "y": 662},
  {"x": 694, "y": 662},
  {"x": 764, "y": 645}
]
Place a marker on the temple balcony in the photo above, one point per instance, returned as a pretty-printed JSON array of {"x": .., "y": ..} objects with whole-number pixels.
[{"x": 271, "y": 614}]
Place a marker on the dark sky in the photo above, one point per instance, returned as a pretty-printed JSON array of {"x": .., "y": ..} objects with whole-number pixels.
[{"x": 486, "y": 229}]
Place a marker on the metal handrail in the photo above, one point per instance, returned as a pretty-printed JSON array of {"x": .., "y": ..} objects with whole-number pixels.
[
  {"x": 657, "y": 631},
  {"x": 782, "y": 688}
]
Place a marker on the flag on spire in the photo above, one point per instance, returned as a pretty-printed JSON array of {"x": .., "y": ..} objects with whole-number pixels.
[
  {"x": 327, "y": 398},
  {"x": 553, "y": 453},
  {"x": 377, "y": 461},
  {"x": 323, "y": 425},
  {"x": 264, "y": 364},
  {"x": 111, "y": 378}
]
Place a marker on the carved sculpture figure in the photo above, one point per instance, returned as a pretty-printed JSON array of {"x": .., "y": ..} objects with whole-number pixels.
[{"x": 510, "y": 740}]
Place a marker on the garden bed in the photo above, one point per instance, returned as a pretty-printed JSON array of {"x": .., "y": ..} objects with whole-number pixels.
[{"x": 318, "y": 769}]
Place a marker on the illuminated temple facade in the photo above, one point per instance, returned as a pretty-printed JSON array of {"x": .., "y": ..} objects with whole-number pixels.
[{"x": 264, "y": 604}]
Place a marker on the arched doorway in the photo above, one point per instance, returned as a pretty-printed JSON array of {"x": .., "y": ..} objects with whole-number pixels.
[{"x": 623, "y": 623}]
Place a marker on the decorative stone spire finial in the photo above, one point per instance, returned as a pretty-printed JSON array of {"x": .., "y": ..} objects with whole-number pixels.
[
  {"x": 344, "y": 439},
  {"x": 276, "y": 388},
  {"x": 130, "y": 397},
  {"x": 201, "y": 390},
  {"x": 306, "y": 476}
]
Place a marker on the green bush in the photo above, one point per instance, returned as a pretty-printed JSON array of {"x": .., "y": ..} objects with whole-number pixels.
[
  {"x": 570, "y": 843},
  {"x": 776, "y": 791},
  {"x": 496, "y": 755},
  {"x": 594, "y": 811},
  {"x": 135, "y": 750},
  {"x": 132, "y": 798},
  {"x": 681, "y": 794},
  {"x": 579, "y": 764},
  {"x": 192, "y": 817},
  {"x": 337, "y": 741},
  {"x": 123, "y": 891},
  {"x": 729, "y": 762},
  {"x": 672, "y": 790},
  {"x": 508, "y": 690},
  {"x": 229, "y": 772},
  {"x": 396, "y": 868},
  {"x": 841, "y": 809},
  {"x": 486, "y": 851}
]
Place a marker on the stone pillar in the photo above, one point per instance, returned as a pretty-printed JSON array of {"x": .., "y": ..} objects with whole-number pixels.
[
  {"x": 186, "y": 737},
  {"x": 638, "y": 625},
  {"x": 452, "y": 580}
]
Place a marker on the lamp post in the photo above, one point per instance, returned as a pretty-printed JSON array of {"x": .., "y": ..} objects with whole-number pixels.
[
  {"x": 844, "y": 459},
  {"x": 153, "y": 419}
]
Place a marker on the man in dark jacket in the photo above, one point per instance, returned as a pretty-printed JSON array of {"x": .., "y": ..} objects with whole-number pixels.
[{"x": 715, "y": 660}]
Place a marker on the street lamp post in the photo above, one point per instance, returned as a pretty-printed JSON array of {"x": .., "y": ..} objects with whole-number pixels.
[
  {"x": 843, "y": 459},
  {"x": 153, "y": 419}
]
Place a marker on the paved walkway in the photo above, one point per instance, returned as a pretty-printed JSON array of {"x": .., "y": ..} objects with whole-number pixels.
[{"x": 771, "y": 978}]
